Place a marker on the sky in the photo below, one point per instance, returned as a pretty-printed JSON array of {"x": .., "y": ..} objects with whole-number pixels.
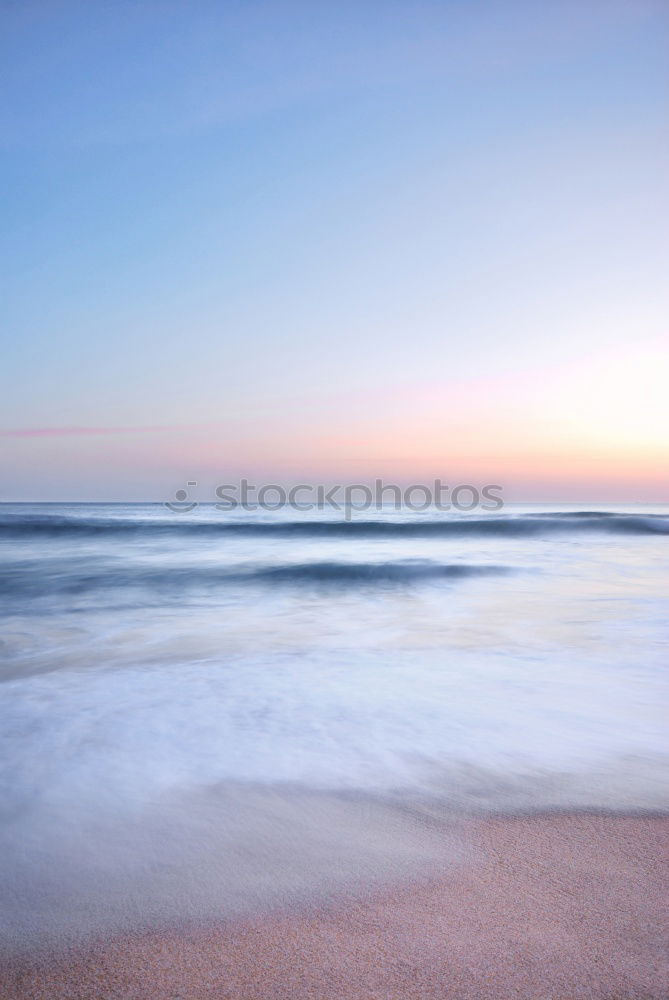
[{"x": 330, "y": 241}]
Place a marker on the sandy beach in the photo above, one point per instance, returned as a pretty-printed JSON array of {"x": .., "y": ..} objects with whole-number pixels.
[{"x": 553, "y": 906}]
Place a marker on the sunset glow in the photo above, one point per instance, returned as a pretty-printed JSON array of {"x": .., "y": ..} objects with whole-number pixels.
[{"x": 427, "y": 243}]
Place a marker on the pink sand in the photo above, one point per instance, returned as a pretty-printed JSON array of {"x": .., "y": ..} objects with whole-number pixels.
[{"x": 550, "y": 908}]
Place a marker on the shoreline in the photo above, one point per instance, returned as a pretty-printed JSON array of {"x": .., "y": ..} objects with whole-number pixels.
[{"x": 555, "y": 905}]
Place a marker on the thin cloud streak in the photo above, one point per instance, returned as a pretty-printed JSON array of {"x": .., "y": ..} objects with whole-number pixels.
[{"x": 28, "y": 432}]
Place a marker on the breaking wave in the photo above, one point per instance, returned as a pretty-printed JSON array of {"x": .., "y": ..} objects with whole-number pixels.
[{"x": 62, "y": 576}]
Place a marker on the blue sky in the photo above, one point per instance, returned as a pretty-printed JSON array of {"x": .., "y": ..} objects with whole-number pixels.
[{"x": 334, "y": 239}]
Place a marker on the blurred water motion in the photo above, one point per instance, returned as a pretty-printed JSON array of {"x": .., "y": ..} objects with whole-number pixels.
[{"x": 204, "y": 712}]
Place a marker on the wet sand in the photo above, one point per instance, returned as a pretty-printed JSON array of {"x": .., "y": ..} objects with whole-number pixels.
[{"x": 553, "y": 907}]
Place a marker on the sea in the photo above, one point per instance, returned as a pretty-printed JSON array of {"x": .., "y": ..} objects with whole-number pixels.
[{"x": 208, "y": 713}]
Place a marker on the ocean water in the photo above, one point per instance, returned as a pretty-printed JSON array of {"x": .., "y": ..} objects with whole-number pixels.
[{"x": 206, "y": 712}]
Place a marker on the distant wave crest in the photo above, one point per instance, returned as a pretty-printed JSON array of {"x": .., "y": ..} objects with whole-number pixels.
[{"x": 514, "y": 526}]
